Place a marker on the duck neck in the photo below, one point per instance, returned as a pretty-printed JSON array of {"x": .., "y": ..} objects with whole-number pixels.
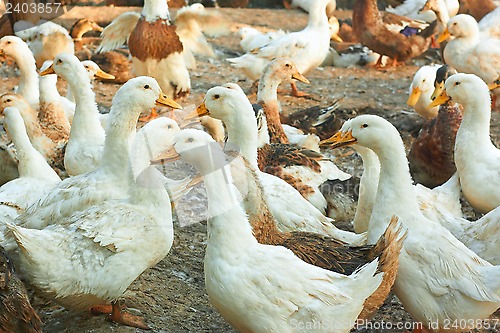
[
  {"x": 120, "y": 132},
  {"x": 365, "y": 13},
  {"x": 367, "y": 188},
  {"x": 48, "y": 91},
  {"x": 86, "y": 120},
  {"x": 243, "y": 133},
  {"x": 31, "y": 162},
  {"x": 155, "y": 9},
  {"x": 441, "y": 11},
  {"x": 267, "y": 96},
  {"x": 147, "y": 189},
  {"x": 28, "y": 84},
  {"x": 317, "y": 15},
  {"x": 395, "y": 194},
  {"x": 474, "y": 132},
  {"x": 227, "y": 222}
]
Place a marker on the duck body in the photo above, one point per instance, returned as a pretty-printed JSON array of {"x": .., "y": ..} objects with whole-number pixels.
[
  {"x": 374, "y": 33},
  {"x": 436, "y": 271},
  {"x": 49, "y": 40},
  {"x": 233, "y": 253},
  {"x": 306, "y": 48},
  {"x": 145, "y": 32}
]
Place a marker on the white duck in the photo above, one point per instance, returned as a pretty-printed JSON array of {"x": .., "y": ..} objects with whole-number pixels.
[
  {"x": 439, "y": 278},
  {"x": 110, "y": 179},
  {"x": 284, "y": 291},
  {"x": 421, "y": 90},
  {"x": 412, "y": 9},
  {"x": 289, "y": 208},
  {"x": 469, "y": 51},
  {"x": 306, "y": 5},
  {"x": 36, "y": 177},
  {"x": 476, "y": 157},
  {"x": 307, "y": 48},
  {"x": 93, "y": 255},
  {"x": 86, "y": 139},
  {"x": 18, "y": 50},
  {"x": 252, "y": 38},
  {"x": 154, "y": 45}
]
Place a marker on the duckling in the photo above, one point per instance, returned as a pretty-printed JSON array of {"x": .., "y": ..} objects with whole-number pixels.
[
  {"x": 307, "y": 48},
  {"x": 288, "y": 290},
  {"x": 15, "y": 48},
  {"x": 400, "y": 45},
  {"x": 439, "y": 278},
  {"x": 476, "y": 157},
  {"x": 431, "y": 154},
  {"x": 16, "y": 312}
]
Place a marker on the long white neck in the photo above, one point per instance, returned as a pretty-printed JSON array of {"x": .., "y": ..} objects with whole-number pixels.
[
  {"x": 441, "y": 11},
  {"x": 317, "y": 15},
  {"x": 31, "y": 162},
  {"x": 48, "y": 90},
  {"x": 243, "y": 133},
  {"x": 143, "y": 151},
  {"x": 86, "y": 122},
  {"x": 227, "y": 222},
  {"x": 473, "y": 136},
  {"x": 154, "y": 9},
  {"x": 147, "y": 189},
  {"x": 268, "y": 88},
  {"x": 368, "y": 187},
  {"x": 28, "y": 83},
  {"x": 122, "y": 123},
  {"x": 396, "y": 193}
]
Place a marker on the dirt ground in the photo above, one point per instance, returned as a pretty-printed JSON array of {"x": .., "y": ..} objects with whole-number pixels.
[{"x": 171, "y": 295}]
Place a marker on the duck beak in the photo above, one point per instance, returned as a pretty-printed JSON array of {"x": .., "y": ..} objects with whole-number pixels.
[
  {"x": 441, "y": 99},
  {"x": 444, "y": 36},
  {"x": 339, "y": 139},
  {"x": 414, "y": 96},
  {"x": 438, "y": 89},
  {"x": 103, "y": 75},
  {"x": 48, "y": 71},
  {"x": 336, "y": 38},
  {"x": 163, "y": 100},
  {"x": 299, "y": 77},
  {"x": 170, "y": 155},
  {"x": 200, "y": 111}
]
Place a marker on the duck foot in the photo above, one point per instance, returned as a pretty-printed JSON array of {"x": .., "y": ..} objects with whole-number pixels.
[
  {"x": 296, "y": 92},
  {"x": 127, "y": 319},
  {"x": 150, "y": 117},
  {"x": 102, "y": 309}
]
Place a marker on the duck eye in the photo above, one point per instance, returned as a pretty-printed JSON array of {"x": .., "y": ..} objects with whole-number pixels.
[
  {"x": 189, "y": 140},
  {"x": 8, "y": 42},
  {"x": 146, "y": 86},
  {"x": 169, "y": 126},
  {"x": 216, "y": 96},
  {"x": 287, "y": 65},
  {"x": 457, "y": 83},
  {"x": 59, "y": 61},
  {"x": 364, "y": 125},
  {"x": 8, "y": 100}
]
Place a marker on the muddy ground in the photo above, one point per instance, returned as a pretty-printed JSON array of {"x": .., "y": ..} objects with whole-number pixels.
[{"x": 171, "y": 295}]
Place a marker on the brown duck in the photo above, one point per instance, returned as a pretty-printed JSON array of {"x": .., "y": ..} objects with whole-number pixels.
[
  {"x": 375, "y": 30},
  {"x": 16, "y": 312},
  {"x": 431, "y": 156}
]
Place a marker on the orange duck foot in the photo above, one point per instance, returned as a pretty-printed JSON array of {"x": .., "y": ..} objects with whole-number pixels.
[
  {"x": 102, "y": 309},
  {"x": 152, "y": 116},
  {"x": 127, "y": 319},
  {"x": 296, "y": 92}
]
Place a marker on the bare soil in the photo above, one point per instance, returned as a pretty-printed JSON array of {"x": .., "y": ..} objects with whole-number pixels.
[{"x": 171, "y": 295}]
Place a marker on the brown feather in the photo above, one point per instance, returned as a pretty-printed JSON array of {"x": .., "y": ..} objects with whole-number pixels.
[{"x": 154, "y": 40}]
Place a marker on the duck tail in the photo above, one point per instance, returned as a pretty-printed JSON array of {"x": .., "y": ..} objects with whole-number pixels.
[{"x": 430, "y": 30}]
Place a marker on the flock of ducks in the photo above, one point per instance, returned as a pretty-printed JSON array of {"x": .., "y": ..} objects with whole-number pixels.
[{"x": 84, "y": 210}]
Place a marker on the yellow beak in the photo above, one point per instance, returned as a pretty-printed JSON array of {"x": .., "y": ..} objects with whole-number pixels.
[
  {"x": 438, "y": 89},
  {"x": 103, "y": 75},
  {"x": 200, "y": 111},
  {"x": 163, "y": 100},
  {"x": 444, "y": 36},
  {"x": 336, "y": 38},
  {"x": 415, "y": 94},
  {"x": 169, "y": 155},
  {"x": 495, "y": 84},
  {"x": 49, "y": 70},
  {"x": 299, "y": 77},
  {"x": 339, "y": 139},
  {"x": 441, "y": 99}
]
